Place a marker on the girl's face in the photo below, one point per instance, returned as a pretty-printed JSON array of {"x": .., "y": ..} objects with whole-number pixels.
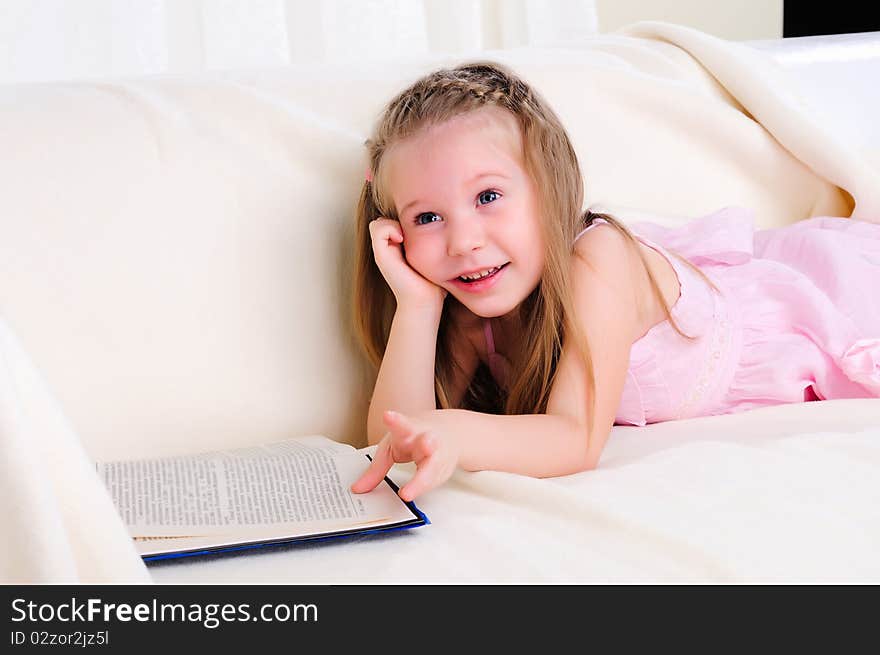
[{"x": 466, "y": 205}]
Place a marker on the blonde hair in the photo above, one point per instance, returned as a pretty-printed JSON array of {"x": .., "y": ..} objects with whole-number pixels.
[{"x": 553, "y": 166}]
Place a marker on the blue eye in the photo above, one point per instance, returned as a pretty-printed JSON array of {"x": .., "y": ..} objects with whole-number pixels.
[
  {"x": 488, "y": 193},
  {"x": 484, "y": 198},
  {"x": 419, "y": 217}
]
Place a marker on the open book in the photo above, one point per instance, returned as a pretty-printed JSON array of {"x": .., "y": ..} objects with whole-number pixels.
[{"x": 289, "y": 491}]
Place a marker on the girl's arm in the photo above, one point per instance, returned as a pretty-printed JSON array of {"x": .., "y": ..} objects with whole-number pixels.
[
  {"x": 537, "y": 445},
  {"x": 609, "y": 285},
  {"x": 606, "y": 297},
  {"x": 406, "y": 376}
]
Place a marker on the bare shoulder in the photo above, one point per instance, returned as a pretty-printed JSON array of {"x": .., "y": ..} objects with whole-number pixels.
[
  {"x": 600, "y": 243},
  {"x": 614, "y": 260},
  {"x": 606, "y": 265}
]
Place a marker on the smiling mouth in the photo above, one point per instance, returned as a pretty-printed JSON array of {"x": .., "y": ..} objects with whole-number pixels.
[{"x": 493, "y": 272}]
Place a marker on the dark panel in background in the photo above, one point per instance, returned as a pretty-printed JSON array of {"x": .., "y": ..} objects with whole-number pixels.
[{"x": 809, "y": 17}]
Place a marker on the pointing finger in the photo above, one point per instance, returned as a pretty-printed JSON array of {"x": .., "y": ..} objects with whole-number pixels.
[{"x": 378, "y": 469}]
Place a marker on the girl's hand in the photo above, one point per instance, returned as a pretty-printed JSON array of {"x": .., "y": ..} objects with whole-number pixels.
[
  {"x": 410, "y": 288},
  {"x": 412, "y": 439}
]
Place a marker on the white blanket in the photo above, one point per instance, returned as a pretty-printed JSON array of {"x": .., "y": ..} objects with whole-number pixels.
[
  {"x": 59, "y": 524},
  {"x": 765, "y": 91},
  {"x": 750, "y": 498},
  {"x": 786, "y": 493}
]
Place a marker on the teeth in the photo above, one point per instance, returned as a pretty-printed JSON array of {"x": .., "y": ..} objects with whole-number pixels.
[{"x": 478, "y": 276}]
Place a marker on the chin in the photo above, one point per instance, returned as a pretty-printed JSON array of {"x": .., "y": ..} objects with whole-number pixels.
[{"x": 489, "y": 310}]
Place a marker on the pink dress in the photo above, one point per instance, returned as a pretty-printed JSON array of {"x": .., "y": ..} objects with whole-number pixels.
[{"x": 798, "y": 318}]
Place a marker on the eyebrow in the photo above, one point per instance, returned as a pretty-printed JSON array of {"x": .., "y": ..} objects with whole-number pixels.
[{"x": 476, "y": 178}]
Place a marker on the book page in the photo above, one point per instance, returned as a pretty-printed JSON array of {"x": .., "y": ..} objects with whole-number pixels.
[{"x": 300, "y": 486}]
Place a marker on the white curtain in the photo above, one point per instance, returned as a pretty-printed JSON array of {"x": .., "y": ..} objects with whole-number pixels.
[{"x": 45, "y": 40}]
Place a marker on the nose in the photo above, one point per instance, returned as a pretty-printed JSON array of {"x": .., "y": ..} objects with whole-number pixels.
[{"x": 464, "y": 235}]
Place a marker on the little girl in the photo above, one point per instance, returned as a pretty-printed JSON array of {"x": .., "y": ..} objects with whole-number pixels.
[{"x": 511, "y": 329}]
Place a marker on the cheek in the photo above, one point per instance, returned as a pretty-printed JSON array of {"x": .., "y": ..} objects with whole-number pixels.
[
  {"x": 532, "y": 245},
  {"x": 420, "y": 253}
]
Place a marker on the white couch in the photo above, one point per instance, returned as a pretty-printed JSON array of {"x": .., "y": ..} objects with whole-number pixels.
[{"x": 175, "y": 275}]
